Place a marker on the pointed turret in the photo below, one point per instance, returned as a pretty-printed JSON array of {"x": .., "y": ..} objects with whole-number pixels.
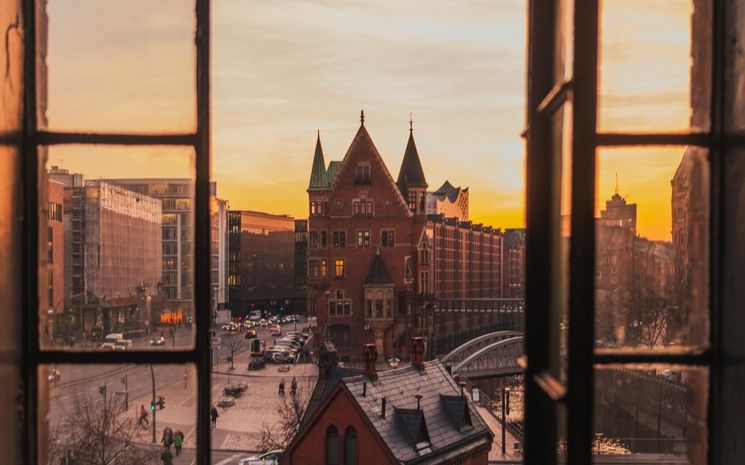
[
  {"x": 378, "y": 274},
  {"x": 318, "y": 175},
  {"x": 411, "y": 176}
]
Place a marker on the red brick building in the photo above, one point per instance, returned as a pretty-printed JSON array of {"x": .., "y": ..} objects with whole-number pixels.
[
  {"x": 52, "y": 280},
  {"x": 413, "y": 414},
  {"x": 377, "y": 263}
]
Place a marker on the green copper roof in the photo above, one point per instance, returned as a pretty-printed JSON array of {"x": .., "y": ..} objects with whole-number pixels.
[
  {"x": 331, "y": 172},
  {"x": 318, "y": 177}
]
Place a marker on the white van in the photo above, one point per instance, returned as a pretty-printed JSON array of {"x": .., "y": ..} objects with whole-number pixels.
[{"x": 115, "y": 341}]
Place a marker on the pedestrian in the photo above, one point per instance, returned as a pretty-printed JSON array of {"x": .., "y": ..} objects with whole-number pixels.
[
  {"x": 167, "y": 438},
  {"x": 143, "y": 421},
  {"x": 178, "y": 441},
  {"x": 166, "y": 456},
  {"x": 282, "y": 387},
  {"x": 293, "y": 386},
  {"x": 213, "y": 416}
]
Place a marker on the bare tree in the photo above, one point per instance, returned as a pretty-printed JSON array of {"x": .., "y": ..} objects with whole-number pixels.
[
  {"x": 291, "y": 409},
  {"x": 95, "y": 432},
  {"x": 655, "y": 323},
  {"x": 233, "y": 342}
]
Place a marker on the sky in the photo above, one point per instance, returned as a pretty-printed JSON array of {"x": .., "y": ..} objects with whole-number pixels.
[{"x": 284, "y": 69}]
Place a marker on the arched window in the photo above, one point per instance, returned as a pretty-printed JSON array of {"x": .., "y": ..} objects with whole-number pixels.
[
  {"x": 350, "y": 447},
  {"x": 332, "y": 446}
]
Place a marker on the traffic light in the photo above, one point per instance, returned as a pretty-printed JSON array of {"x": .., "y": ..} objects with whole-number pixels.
[
  {"x": 152, "y": 406},
  {"x": 161, "y": 402}
]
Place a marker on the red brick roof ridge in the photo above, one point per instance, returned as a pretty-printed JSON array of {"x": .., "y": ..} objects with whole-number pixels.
[{"x": 362, "y": 133}]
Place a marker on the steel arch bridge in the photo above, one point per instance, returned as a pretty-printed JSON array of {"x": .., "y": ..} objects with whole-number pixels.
[{"x": 488, "y": 356}]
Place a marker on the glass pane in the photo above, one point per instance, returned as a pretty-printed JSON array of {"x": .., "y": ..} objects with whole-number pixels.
[
  {"x": 562, "y": 140},
  {"x": 651, "y": 274},
  {"x": 117, "y": 66},
  {"x": 117, "y": 414},
  {"x": 651, "y": 78},
  {"x": 655, "y": 413},
  {"x": 116, "y": 267}
]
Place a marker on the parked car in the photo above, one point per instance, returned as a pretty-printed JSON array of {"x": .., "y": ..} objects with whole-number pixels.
[
  {"x": 268, "y": 458},
  {"x": 251, "y": 333},
  {"x": 158, "y": 341},
  {"x": 122, "y": 344}
]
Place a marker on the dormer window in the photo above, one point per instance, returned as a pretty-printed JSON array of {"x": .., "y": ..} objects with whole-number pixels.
[{"x": 362, "y": 173}]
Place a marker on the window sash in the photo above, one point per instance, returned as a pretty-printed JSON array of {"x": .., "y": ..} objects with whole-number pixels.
[{"x": 32, "y": 139}]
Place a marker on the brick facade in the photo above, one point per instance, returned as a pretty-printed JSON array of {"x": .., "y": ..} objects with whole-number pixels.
[{"x": 357, "y": 211}]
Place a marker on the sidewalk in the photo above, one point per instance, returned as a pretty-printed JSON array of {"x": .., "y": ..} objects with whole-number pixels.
[{"x": 495, "y": 454}]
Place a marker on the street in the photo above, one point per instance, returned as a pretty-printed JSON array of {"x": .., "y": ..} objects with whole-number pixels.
[{"x": 238, "y": 427}]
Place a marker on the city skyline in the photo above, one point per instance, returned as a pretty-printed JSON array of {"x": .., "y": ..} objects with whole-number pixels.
[{"x": 282, "y": 72}]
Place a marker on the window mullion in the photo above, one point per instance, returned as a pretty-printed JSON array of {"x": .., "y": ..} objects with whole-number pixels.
[
  {"x": 202, "y": 230},
  {"x": 540, "y": 415},
  {"x": 582, "y": 241}
]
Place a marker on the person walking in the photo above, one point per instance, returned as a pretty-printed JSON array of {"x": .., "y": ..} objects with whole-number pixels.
[
  {"x": 213, "y": 416},
  {"x": 166, "y": 456},
  {"x": 167, "y": 438},
  {"x": 293, "y": 387},
  {"x": 282, "y": 387},
  {"x": 143, "y": 421},
  {"x": 178, "y": 441}
]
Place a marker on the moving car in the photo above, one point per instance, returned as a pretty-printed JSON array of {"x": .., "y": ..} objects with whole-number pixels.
[
  {"x": 158, "y": 341},
  {"x": 269, "y": 458},
  {"x": 251, "y": 333},
  {"x": 275, "y": 330}
]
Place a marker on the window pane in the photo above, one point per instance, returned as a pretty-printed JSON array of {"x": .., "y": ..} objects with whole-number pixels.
[
  {"x": 118, "y": 66},
  {"x": 651, "y": 272},
  {"x": 106, "y": 414},
  {"x": 650, "y": 76},
  {"x": 657, "y": 413},
  {"x": 124, "y": 248}
]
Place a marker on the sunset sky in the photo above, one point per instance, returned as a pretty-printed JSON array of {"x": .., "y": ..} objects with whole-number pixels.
[{"x": 284, "y": 69}]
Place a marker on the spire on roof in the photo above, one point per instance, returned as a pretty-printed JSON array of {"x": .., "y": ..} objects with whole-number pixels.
[
  {"x": 411, "y": 122},
  {"x": 318, "y": 177},
  {"x": 362, "y": 117},
  {"x": 411, "y": 173},
  {"x": 378, "y": 274},
  {"x": 616, "y": 182}
]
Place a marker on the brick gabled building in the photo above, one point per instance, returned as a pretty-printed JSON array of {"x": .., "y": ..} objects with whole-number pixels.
[
  {"x": 411, "y": 415},
  {"x": 376, "y": 261}
]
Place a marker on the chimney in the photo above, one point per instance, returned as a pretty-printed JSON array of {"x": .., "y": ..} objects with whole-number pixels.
[
  {"x": 327, "y": 359},
  {"x": 364, "y": 389},
  {"x": 418, "y": 401},
  {"x": 382, "y": 408},
  {"x": 370, "y": 356},
  {"x": 417, "y": 352}
]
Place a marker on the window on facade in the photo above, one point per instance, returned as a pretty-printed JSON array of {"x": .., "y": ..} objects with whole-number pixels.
[
  {"x": 350, "y": 447},
  {"x": 324, "y": 239},
  {"x": 332, "y": 446},
  {"x": 340, "y": 305},
  {"x": 388, "y": 238},
  {"x": 339, "y": 267},
  {"x": 362, "y": 173},
  {"x": 363, "y": 238},
  {"x": 339, "y": 239}
]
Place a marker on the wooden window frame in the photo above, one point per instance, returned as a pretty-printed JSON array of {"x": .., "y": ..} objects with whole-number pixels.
[
  {"x": 545, "y": 395},
  {"x": 32, "y": 138}
]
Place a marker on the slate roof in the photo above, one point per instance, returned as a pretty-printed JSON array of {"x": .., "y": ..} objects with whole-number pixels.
[
  {"x": 319, "y": 179},
  {"x": 378, "y": 274},
  {"x": 399, "y": 387},
  {"x": 411, "y": 173}
]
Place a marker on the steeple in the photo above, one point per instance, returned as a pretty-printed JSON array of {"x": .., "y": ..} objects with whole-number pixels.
[
  {"x": 411, "y": 174},
  {"x": 318, "y": 177}
]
